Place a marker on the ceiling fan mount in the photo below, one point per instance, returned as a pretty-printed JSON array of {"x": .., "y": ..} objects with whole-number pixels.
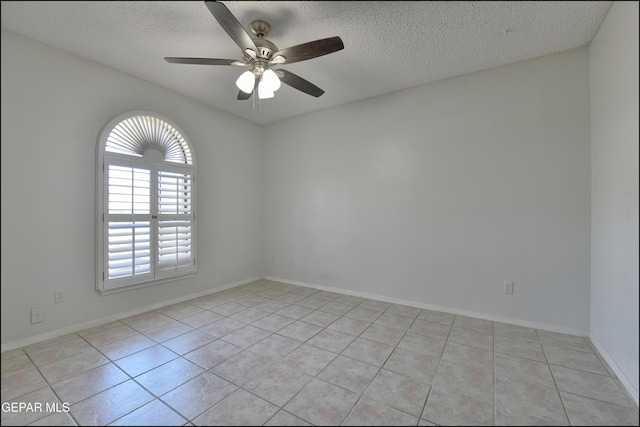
[{"x": 261, "y": 55}]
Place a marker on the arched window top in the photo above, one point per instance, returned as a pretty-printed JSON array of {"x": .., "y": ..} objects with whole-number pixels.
[{"x": 136, "y": 132}]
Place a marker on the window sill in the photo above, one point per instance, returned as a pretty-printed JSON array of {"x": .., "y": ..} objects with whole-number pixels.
[{"x": 125, "y": 288}]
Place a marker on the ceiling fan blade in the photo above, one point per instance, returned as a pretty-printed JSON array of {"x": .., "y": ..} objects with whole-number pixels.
[
  {"x": 231, "y": 25},
  {"x": 310, "y": 50},
  {"x": 204, "y": 61},
  {"x": 297, "y": 82},
  {"x": 243, "y": 95}
]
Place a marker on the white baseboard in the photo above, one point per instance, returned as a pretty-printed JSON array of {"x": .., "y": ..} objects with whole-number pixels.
[
  {"x": 12, "y": 345},
  {"x": 622, "y": 377},
  {"x": 478, "y": 315}
]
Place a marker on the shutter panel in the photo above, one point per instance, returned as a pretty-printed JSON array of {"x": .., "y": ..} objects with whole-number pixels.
[
  {"x": 128, "y": 225},
  {"x": 175, "y": 220}
]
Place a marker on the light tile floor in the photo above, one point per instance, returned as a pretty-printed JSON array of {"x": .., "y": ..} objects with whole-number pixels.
[{"x": 269, "y": 353}]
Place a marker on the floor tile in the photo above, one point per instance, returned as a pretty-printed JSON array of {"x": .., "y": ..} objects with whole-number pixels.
[
  {"x": 336, "y": 308},
  {"x": 242, "y": 366},
  {"x": 444, "y": 408},
  {"x": 198, "y": 394},
  {"x": 471, "y": 323},
  {"x": 294, "y": 311},
  {"x": 349, "y": 326},
  {"x": 467, "y": 355},
  {"x": 145, "y": 360},
  {"x": 310, "y": 359},
  {"x": 321, "y": 403},
  {"x": 289, "y": 298},
  {"x": 374, "y": 305},
  {"x": 520, "y": 370},
  {"x": 320, "y": 318},
  {"x": 189, "y": 341},
  {"x": 514, "y": 346},
  {"x": 595, "y": 386},
  {"x": 528, "y": 399},
  {"x": 299, "y": 331},
  {"x": 437, "y": 316},
  {"x": 126, "y": 346},
  {"x": 24, "y": 417},
  {"x": 145, "y": 321},
  {"x": 22, "y": 383},
  {"x": 283, "y": 418},
  {"x": 212, "y": 354},
  {"x": 368, "y": 351},
  {"x": 471, "y": 337},
  {"x": 240, "y": 408},
  {"x": 370, "y": 413},
  {"x": 180, "y": 310},
  {"x": 348, "y": 373},
  {"x": 246, "y": 336},
  {"x": 55, "y": 419},
  {"x": 575, "y": 359},
  {"x": 588, "y": 412},
  {"x": 515, "y": 331},
  {"x": 169, "y": 376},
  {"x": 399, "y": 391},
  {"x": 168, "y": 331},
  {"x": 154, "y": 413},
  {"x": 221, "y": 327},
  {"x": 282, "y": 354},
  {"x": 428, "y": 346},
  {"x": 228, "y": 309},
  {"x": 572, "y": 342},
  {"x": 73, "y": 365},
  {"x": 273, "y": 322},
  {"x": 416, "y": 365},
  {"x": 201, "y": 318},
  {"x": 403, "y": 310},
  {"x": 57, "y": 351},
  {"x": 111, "y": 404},
  {"x": 109, "y": 335},
  {"x": 88, "y": 383},
  {"x": 18, "y": 362},
  {"x": 394, "y": 321},
  {"x": 471, "y": 381},
  {"x": 383, "y": 334},
  {"x": 431, "y": 329},
  {"x": 364, "y": 314},
  {"x": 278, "y": 384},
  {"x": 333, "y": 341},
  {"x": 275, "y": 347}
]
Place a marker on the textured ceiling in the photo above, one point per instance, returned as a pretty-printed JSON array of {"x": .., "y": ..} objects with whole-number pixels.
[{"x": 389, "y": 46}]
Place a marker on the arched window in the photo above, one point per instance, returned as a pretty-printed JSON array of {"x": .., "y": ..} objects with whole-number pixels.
[{"x": 145, "y": 203}]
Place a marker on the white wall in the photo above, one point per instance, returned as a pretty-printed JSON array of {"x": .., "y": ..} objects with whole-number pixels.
[
  {"x": 439, "y": 194},
  {"x": 53, "y": 107},
  {"x": 613, "y": 66}
]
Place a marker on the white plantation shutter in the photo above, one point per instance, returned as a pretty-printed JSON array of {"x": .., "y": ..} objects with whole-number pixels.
[
  {"x": 174, "y": 221},
  {"x": 145, "y": 203}
]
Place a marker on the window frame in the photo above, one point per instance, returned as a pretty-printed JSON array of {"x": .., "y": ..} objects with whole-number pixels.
[{"x": 150, "y": 157}]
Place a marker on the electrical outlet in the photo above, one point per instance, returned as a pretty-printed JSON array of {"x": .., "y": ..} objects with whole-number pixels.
[
  {"x": 58, "y": 296},
  {"x": 37, "y": 315},
  {"x": 508, "y": 287}
]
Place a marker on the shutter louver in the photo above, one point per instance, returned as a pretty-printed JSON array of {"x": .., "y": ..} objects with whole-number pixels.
[
  {"x": 174, "y": 220},
  {"x": 137, "y": 134}
]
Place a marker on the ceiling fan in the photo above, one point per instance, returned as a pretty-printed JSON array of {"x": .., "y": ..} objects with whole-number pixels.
[{"x": 261, "y": 55}]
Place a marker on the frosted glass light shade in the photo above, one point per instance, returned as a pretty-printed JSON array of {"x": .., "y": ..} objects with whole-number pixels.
[
  {"x": 271, "y": 80},
  {"x": 263, "y": 91},
  {"x": 246, "y": 81}
]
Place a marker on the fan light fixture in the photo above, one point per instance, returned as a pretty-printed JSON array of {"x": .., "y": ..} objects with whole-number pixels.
[{"x": 268, "y": 83}]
